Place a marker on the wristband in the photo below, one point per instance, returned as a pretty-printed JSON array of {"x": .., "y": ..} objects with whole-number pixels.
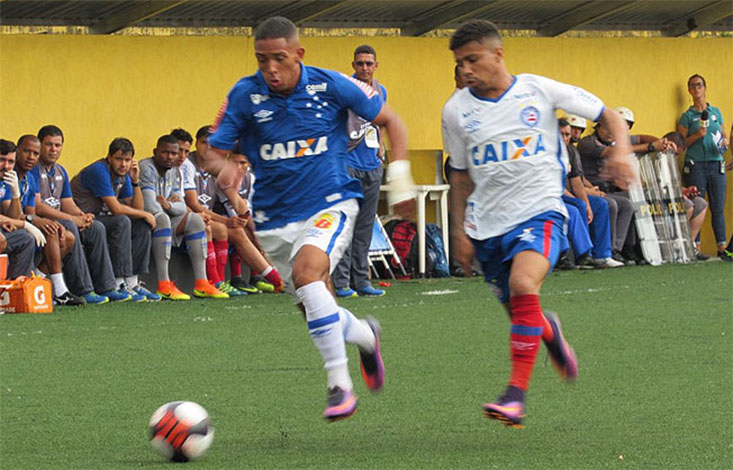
[
  {"x": 651, "y": 146},
  {"x": 399, "y": 178},
  {"x": 135, "y": 185}
]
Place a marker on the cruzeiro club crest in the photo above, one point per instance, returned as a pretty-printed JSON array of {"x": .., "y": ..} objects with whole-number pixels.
[{"x": 530, "y": 116}]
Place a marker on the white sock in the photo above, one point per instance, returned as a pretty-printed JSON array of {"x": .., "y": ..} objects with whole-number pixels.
[
  {"x": 119, "y": 281},
  {"x": 59, "y": 286},
  {"x": 357, "y": 331},
  {"x": 131, "y": 281},
  {"x": 324, "y": 325}
]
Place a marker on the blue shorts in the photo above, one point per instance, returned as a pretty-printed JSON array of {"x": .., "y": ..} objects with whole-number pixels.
[{"x": 543, "y": 233}]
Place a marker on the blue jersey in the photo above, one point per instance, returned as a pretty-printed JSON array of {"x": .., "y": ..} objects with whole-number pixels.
[
  {"x": 28, "y": 190},
  {"x": 95, "y": 182},
  {"x": 296, "y": 144}
]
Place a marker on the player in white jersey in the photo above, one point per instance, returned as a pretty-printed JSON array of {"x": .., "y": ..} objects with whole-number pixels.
[{"x": 506, "y": 208}]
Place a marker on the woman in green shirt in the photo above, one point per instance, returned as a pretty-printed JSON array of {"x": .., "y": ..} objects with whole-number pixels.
[{"x": 702, "y": 127}]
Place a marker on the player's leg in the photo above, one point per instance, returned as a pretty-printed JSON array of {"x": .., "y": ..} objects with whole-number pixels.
[
  {"x": 161, "y": 250},
  {"x": 94, "y": 240},
  {"x": 578, "y": 234},
  {"x": 76, "y": 271},
  {"x": 533, "y": 249},
  {"x": 600, "y": 231},
  {"x": 323, "y": 242},
  {"x": 20, "y": 248},
  {"x": 212, "y": 273},
  {"x": 218, "y": 252},
  {"x": 254, "y": 258},
  {"x": 190, "y": 229},
  {"x": 220, "y": 242},
  {"x": 363, "y": 229},
  {"x": 57, "y": 245}
]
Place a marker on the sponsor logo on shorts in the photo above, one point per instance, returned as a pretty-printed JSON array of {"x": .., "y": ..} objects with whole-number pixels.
[
  {"x": 527, "y": 235},
  {"x": 324, "y": 221}
]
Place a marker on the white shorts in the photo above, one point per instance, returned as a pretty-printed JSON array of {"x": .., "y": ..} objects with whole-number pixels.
[{"x": 330, "y": 230}]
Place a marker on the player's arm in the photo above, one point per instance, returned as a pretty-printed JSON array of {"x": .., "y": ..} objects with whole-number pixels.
[
  {"x": 44, "y": 210},
  {"x": 12, "y": 208},
  {"x": 192, "y": 201},
  {"x": 399, "y": 175},
  {"x": 578, "y": 190},
  {"x": 618, "y": 162},
  {"x": 461, "y": 186},
  {"x": 117, "y": 207}
]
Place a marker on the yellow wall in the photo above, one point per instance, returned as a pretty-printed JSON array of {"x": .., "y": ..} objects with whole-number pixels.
[{"x": 99, "y": 87}]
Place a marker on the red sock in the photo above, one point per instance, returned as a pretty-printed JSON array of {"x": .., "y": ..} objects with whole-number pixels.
[
  {"x": 211, "y": 271},
  {"x": 273, "y": 277},
  {"x": 235, "y": 264},
  {"x": 527, "y": 322},
  {"x": 222, "y": 253}
]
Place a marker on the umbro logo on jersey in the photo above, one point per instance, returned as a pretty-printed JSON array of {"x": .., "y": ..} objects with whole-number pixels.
[
  {"x": 263, "y": 115},
  {"x": 508, "y": 150},
  {"x": 204, "y": 198},
  {"x": 313, "y": 88},
  {"x": 257, "y": 98},
  {"x": 294, "y": 148}
]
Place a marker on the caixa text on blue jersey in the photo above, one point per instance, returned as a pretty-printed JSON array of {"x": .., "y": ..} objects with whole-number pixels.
[
  {"x": 507, "y": 150},
  {"x": 294, "y": 148}
]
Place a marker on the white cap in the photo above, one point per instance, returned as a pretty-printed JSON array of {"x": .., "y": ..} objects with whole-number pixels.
[
  {"x": 625, "y": 113},
  {"x": 576, "y": 121}
]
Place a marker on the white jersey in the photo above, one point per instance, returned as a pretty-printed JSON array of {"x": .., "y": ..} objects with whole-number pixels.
[{"x": 512, "y": 149}]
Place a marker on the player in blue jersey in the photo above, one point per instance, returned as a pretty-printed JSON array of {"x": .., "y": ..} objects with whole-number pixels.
[{"x": 290, "y": 121}]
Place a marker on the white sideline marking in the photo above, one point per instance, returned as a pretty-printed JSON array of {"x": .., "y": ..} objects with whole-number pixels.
[{"x": 440, "y": 292}]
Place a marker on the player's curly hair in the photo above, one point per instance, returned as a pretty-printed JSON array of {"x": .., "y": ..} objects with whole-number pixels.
[
  {"x": 474, "y": 30},
  {"x": 275, "y": 28}
]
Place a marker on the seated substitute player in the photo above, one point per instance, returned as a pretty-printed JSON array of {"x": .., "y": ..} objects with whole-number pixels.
[
  {"x": 217, "y": 245},
  {"x": 161, "y": 187},
  {"x": 289, "y": 119},
  {"x": 248, "y": 249},
  {"x": 88, "y": 267},
  {"x": 110, "y": 189},
  {"x": 506, "y": 188},
  {"x": 19, "y": 238}
]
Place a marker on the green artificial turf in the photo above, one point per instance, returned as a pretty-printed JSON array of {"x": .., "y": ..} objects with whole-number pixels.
[{"x": 77, "y": 387}]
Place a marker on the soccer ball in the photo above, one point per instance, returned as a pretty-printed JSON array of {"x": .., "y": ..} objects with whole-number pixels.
[{"x": 181, "y": 431}]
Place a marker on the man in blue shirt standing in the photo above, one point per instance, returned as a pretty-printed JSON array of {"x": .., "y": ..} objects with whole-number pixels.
[
  {"x": 290, "y": 121},
  {"x": 351, "y": 276}
]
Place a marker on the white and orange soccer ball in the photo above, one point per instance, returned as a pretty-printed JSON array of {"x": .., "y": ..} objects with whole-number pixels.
[{"x": 181, "y": 431}]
